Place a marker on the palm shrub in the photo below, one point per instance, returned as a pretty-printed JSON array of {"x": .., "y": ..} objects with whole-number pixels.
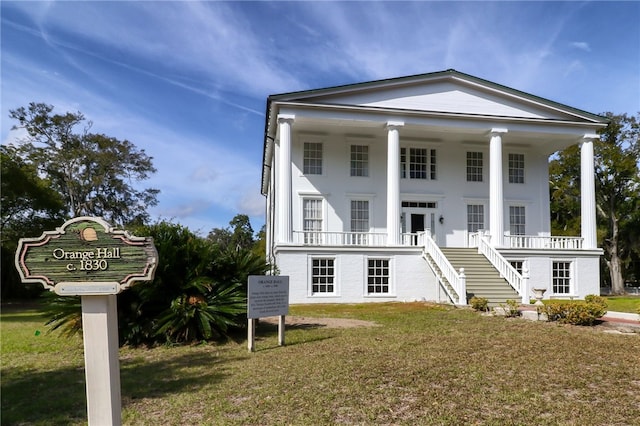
[{"x": 198, "y": 293}]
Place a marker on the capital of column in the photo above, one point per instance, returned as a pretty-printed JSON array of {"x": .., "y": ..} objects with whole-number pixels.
[
  {"x": 589, "y": 137},
  {"x": 286, "y": 118},
  {"x": 498, "y": 131},
  {"x": 394, "y": 124}
]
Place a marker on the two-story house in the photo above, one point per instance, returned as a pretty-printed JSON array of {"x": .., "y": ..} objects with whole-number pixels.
[{"x": 428, "y": 187}]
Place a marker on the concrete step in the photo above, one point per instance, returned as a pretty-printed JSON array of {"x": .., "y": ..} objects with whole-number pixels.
[{"x": 482, "y": 278}]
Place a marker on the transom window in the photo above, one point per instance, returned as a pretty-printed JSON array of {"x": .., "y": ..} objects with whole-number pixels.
[
  {"x": 517, "y": 220},
  {"x": 561, "y": 277},
  {"x": 312, "y": 220},
  {"x": 417, "y": 163},
  {"x": 322, "y": 276},
  {"x": 474, "y": 167},
  {"x": 420, "y": 204},
  {"x": 378, "y": 276},
  {"x": 312, "y": 158},
  {"x": 359, "y": 160},
  {"x": 516, "y": 168},
  {"x": 475, "y": 217}
]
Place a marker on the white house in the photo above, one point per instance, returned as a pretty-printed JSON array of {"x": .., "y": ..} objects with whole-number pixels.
[{"x": 428, "y": 187}]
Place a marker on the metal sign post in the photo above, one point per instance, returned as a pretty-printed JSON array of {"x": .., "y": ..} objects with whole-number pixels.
[{"x": 267, "y": 296}]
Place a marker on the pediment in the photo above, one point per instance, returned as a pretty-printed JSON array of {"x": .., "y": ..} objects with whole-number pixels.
[{"x": 447, "y": 92}]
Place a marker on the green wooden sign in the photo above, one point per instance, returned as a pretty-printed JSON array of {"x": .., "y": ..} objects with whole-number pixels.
[{"x": 86, "y": 256}]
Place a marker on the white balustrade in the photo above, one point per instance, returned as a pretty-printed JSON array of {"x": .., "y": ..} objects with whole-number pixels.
[
  {"x": 541, "y": 242},
  {"x": 455, "y": 279}
]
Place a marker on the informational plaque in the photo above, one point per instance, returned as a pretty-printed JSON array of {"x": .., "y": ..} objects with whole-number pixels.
[
  {"x": 268, "y": 296},
  {"x": 85, "y": 256}
]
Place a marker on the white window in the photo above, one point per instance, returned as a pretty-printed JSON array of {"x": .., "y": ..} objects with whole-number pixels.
[
  {"x": 517, "y": 220},
  {"x": 517, "y": 265},
  {"x": 359, "y": 160},
  {"x": 474, "y": 167},
  {"x": 475, "y": 217},
  {"x": 312, "y": 158},
  {"x": 359, "y": 221},
  {"x": 516, "y": 168},
  {"x": 418, "y": 163},
  {"x": 312, "y": 220},
  {"x": 378, "y": 276},
  {"x": 561, "y": 277},
  {"x": 322, "y": 276}
]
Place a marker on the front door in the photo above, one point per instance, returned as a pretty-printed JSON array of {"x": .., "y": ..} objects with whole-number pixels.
[
  {"x": 418, "y": 218},
  {"x": 417, "y": 223}
]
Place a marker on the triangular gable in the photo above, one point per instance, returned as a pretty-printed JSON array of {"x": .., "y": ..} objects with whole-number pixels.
[{"x": 442, "y": 92}]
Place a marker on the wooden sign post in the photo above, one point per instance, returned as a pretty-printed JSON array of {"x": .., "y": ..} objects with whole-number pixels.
[
  {"x": 267, "y": 296},
  {"x": 86, "y": 257}
]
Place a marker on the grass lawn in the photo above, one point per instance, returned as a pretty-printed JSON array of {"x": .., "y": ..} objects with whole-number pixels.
[
  {"x": 421, "y": 365},
  {"x": 623, "y": 303}
]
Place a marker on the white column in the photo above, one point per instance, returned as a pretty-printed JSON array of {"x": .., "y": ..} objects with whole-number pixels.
[
  {"x": 393, "y": 182},
  {"x": 588, "y": 194},
  {"x": 285, "y": 222},
  {"x": 496, "y": 199}
]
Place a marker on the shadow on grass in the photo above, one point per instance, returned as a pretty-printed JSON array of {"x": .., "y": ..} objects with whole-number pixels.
[
  {"x": 267, "y": 331},
  {"x": 58, "y": 397}
]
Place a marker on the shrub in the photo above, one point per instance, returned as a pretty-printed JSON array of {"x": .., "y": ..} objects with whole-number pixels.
[
  {"x": 479, "y": 303},
  {"x": 576, "y": 313},
  {"x": 511, "y": 309}
]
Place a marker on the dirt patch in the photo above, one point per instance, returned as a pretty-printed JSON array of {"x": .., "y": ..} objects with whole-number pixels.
[{"x": 310, "y": 322}]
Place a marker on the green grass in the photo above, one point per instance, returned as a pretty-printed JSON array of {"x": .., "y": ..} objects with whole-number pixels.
[
  {"x": 421, "y": 365},
  {"x": 623, "y": 303}
]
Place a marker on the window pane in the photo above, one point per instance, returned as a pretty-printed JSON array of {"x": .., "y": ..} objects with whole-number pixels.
[
  {"x": 359, "y": 160},
  {"x": 474, "y": 167},
  {"x": 561, "y": 277},
  {"x": 417, "y": 163},
  {"x": 517, "y": 220},
  {"x": 312, "y": 158},
  {"x": 322, "y": 278},
  {"x": 312, "y": 220},
  {"x": 516, "y": 168},
  {"x": 475, "y": 217},
  {"x": 378, "y": 276}
]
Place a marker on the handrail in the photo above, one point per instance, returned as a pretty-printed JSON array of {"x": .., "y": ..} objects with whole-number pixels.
[
  {"x": 455, "y": 279},
  {"x": 502, "y": 265}
]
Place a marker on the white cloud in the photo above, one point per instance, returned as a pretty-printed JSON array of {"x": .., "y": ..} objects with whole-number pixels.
[{"x": 581, "y": 45}]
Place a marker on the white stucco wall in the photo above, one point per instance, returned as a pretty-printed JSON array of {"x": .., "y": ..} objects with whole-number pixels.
[
  {"x": 585, "y": 271},
  {"x": 411, "y": 278}
]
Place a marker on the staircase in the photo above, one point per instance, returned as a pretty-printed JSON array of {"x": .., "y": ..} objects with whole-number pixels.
[{"x": 482, "y": 278}]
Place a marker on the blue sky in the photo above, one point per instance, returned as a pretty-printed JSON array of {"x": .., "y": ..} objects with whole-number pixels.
[{"x": 188, "y": 81}]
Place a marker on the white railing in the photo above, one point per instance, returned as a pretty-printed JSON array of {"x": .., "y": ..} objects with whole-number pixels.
[
  {"x": 456, "y": 280},
  {"x": 318, "y": 238},
  {"x": 362, "y": 239},
  {"x": 537, "y": 242},
  {"x": 502, "y": 265}
]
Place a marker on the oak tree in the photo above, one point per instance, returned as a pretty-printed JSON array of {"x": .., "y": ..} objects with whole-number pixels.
[
  {"x": 96, "y": 175},
  {"x": 617, "y": 176}
]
